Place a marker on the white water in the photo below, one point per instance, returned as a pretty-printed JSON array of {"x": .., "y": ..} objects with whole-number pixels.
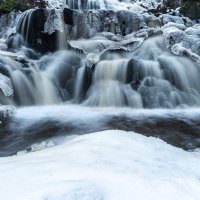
[
  {"x": 112, "y": 165},
  {"x": 150, "y": 77},
  {"x": 109, "y": 88}
]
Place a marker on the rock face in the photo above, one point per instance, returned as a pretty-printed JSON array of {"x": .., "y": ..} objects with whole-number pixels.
[
  {"x": 172, "y": 3},
  {"x": 34, "y": 35},
  {"x": 191, "y": 8},
  {"x": 20, "y": 5}
]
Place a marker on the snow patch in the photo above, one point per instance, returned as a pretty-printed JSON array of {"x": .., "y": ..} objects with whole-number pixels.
[
  {"x": 6, "y": 85},
  {"x": 105, "y": 165}
]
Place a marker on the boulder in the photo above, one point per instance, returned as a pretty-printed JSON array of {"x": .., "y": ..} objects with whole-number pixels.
[
  {"x": 191, "y": 8},
  {"x": 34, "y": 34},
  {"x": 173, "y": 4},
  {"x": 68, "y": 16}
]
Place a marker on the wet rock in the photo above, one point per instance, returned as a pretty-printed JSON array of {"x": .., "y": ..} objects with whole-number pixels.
[
  {"x": 34, "y": 34},
  {"x": 68, "y": 16},
  {"x": 129, "y": 22},
  {"x": 173, "y": 4}
]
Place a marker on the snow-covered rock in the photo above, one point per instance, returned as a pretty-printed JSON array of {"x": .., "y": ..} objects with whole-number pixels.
[
  {"x": 6, "y": 85},
  {"x": 8, "y": 24},
  {"x": 55, "y": 4},
  {"x": 110, "y": 165},
  {"x": 6, "y": 111},
  {"x": 182, "y": 41}
]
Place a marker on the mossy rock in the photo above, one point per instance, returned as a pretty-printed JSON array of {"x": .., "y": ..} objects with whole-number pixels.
[
  {"x": 20, "y": 5},
  {"x": 191, "y": 8}
]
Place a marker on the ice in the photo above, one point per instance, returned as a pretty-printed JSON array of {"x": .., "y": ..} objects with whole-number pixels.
[
  {"x": 53, "y": 22},
  {"x": 55, "y": 4},
  {"x": 6, "y": 85},
  {"x": 105, "y": 165},
  {"x": 135, "y": 5},
  {"x": 8, "y": 24},
  {"x": 16, "y": 56},
  {"x": 183, "y": 41},
  {"x": 6, "y": 111}
]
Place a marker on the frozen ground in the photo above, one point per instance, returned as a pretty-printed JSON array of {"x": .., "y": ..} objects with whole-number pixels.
[{"x": 112, "y": 165}]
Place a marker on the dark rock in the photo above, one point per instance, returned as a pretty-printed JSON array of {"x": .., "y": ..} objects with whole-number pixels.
[
  {"x": 68, "y": 16},
  {"x": 20, "y": 5},
  {"x": 34, "y": 32},
  {"x": 191, "y": 8},
  {"x": 172, "y": 4},
  {"x": 128, "y": 21}
]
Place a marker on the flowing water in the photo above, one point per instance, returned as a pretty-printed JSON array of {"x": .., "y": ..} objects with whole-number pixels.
[{"x": 126, "y": 83}]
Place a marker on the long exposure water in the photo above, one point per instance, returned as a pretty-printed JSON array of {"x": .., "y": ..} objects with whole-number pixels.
[{"x": 150, "y": 91}]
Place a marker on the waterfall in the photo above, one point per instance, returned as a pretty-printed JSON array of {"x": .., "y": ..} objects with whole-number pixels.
[
  {"x": 35, "y": 84},
  {"x": 150, "y": 77},
  {"x": 24, "y": 24},
  {"x": 75, "y": 4},
  {"x": 90, "y": 4},
  {"x": 109, "y": 86}
]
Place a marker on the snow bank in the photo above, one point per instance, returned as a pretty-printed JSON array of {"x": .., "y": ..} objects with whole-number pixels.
[{"x": 112, "y": 165}]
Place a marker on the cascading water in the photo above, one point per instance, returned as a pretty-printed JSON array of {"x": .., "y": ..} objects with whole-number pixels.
[
  {"x": 86, "y": 4},
  {"x": 109, "y": 86},
  {"x": 129, "y": 67},
  {"x": 24, "y": 24},
  {"x": 156, "y": 79}
]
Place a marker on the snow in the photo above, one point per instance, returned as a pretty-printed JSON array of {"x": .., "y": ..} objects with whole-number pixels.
[
  {"x": 183, "y": 41},
  {"x": 52, "y": 4},
  {"x": 6, "y": 85},
  {"x": 53, "y": 22},
  {"x": 112, "y": 165},
  {"x": 8, "y": 24}
]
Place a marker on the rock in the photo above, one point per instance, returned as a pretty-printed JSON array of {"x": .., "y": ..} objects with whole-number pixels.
[
  {"x": 7, "y": 23},
  {"x": 129, "y": 22},
  {"x": 173, "y": 4},
  {"x": 153, "y": 23},
  {"x": 20, "y": 5},
  {"x": 68, "y": 16},
  {"x": 182, "y": 41},
  {"x": 6, "y": 112},
  {"x": 34, "y": 33},
  {"x": 191, "y": 8}
]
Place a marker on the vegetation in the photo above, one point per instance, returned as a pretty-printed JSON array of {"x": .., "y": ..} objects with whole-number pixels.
[
  {"x": 22, "y": 5},
  {"x": 191, "y": 8}
]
